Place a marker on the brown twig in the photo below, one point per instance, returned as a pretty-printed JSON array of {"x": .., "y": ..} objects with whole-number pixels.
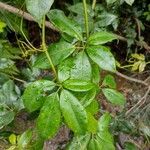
[
  {"x": 23, "y": 14},
  {"x": 131, "y": 79}
]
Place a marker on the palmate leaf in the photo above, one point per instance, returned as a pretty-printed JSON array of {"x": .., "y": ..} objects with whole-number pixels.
[
  {"x": 49, "y": 119},
  {"x": 102, "y": 56},
  {"x": 39, "y": 8},
  {"x": 73, "y": 112},
  {"x": 57, "y": 51},
  {"x": 65, "y": 25},
  {"x": 33, "y": 96}
]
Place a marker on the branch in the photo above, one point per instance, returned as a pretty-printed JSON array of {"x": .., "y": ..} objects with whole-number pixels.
[
  {"x": 132, "y": 79},
  {"x": 23, "y": 14}
]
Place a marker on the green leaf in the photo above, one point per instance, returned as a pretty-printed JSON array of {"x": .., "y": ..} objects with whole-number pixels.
[
  {"x": 78, "y": 85},
  {"x": 39, "y": 8},
  {"x": 92, "y": 123},
  {"x": 104, "y": 137},
  {"x": 103, "y": 57},
  {"x": 65, "y": 25},
  {"x": 24, "y": 139},
  {"x": 109, "y": 81},
  {"x": 94, "y": 144},
  {"x": 10, "y": 95},
  {"x": 64, "y": 69},
  {"x": 79, "y": 142},
  {"x": 114, "y": 96},
  {"x": 6, "y": 117},
  {"x": 13, "y": 139},
  {"x": 95, "y": 74},
  {"x": 74, "y": 113},
  {"x": 33, "y": 96},
  {"x": 57, "y": 51},
  {"x": 82, "y": 68},
  {"x": 87, "y": 99},
  {"x": 101, "y": 38},
  {"x": 93, "y": 108},
  {"x": 130, "y": 2},
  {"x": 2, "y": 26},
  {"x": 49, "y": 119},
  {"x": 103, "y": 123}
]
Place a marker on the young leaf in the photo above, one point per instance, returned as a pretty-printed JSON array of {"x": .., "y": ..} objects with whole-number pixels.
[
  {"x": 57, "y": 51},
  {"x": 39, "y": 8},
  {"x": 2, "y": 26},
  {"x": 103, "y": 57},
  {"x": 78, "y": 85},
  {"x": 109, "y": 81},
  {"x": 24, "y": 139},
  {"x": 49, "y": 119},
  {"x": 33, "y": 96},
  {"x": 114, "y": 96},
  {"x": 73, "y": 112},
  {"x": 101, "y": 38},
  {"x": 58, "y": 18},
  {"x": 82, "y": 68}
]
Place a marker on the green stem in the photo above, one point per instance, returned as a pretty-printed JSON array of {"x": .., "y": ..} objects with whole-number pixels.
[
  {"x": 45, "y": 48},
  {"x": 93, "y": 4},
  {"x": 86, "y": 18}
]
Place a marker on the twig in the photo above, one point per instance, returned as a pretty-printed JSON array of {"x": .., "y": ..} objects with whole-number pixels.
[
  {"x": 23, "y": 14},
  {"x": 131, "y": 79},
  {"x": 139, "y": 103}
]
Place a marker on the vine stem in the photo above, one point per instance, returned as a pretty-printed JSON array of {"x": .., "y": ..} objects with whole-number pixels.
[
  {"x": 45, "y": 48},
  {"x": 86, "y": 18}
]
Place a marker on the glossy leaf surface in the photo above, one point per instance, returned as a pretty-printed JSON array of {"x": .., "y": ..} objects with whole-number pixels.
[
  {"x": 65, "y": 25},
  {"x": 78, "y": 85},
  {"x": 57, "y": 51},
  {"x": 49, "y": 119},
  {"x": 103, "y": 57},
  {"x": 100, "y": 38},
  {"x": 73, "y": 112},
  {"x": 34, "y": 95}
]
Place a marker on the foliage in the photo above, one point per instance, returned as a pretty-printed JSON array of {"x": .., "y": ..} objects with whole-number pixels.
[{"x": 68, "y": 95}]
